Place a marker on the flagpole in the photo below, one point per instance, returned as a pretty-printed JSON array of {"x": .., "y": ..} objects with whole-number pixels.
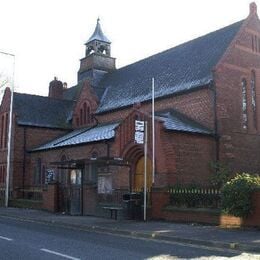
[
  {"x": 153, "y": 134},
  {"x": 8, "y": 168},
  {"x": 145, "y": 168}
]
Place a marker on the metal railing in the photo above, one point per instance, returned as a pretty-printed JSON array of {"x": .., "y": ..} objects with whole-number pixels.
[
  {"x": 195, "y": 197},
  {"x": 31, "y": 193}
]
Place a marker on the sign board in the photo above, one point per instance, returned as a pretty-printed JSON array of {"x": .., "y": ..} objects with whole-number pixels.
[
  {"x": 50, "y": 175},
  {"x": 139, "y": 132},
  {"x": 139, "y": 125},
  {"x": 104, "y": 184},
  {"x": 139, "y": 137}
]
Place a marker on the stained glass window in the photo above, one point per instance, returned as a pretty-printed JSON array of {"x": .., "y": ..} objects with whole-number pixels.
[
  {"x": 253, "y": 94},
  {"x": 244, "y": 105}
]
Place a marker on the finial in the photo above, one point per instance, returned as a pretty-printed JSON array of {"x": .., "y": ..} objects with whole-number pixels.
[
  {"x": 98, "y": 20},
  {"x": 253, "y": 8}
]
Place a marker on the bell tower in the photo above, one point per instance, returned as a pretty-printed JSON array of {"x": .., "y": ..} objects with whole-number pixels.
[{"x": 97, "y": 55}]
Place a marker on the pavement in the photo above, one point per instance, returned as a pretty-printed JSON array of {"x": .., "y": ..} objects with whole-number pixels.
[{"x": 245, "y": 240}]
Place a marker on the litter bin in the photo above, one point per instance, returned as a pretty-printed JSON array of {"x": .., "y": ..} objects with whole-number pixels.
[{"x": 132, "y": 205}]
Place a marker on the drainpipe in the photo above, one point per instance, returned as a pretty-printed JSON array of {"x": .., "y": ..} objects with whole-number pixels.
[
  {"x": 108, "y": 149},
  {"x": 108, "y": 154},
  {"x": 216, "y": 135},
  {"x": 24, "y": 158}
]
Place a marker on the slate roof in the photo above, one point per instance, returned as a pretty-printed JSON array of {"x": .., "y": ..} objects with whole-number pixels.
[
  {"x": 72, "y": 93},
  {"x": 82, "y": 136},
  {"x": 98, "y": 35},
  {"x": 175, "y": 121},
  {"x": 32, "y": 110},
  {"x": 182, "y": 68},
  {"x": 94, "y": 76}
]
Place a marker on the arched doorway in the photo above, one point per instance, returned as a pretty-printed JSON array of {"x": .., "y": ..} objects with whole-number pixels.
[{"x": 139, "y": 174}]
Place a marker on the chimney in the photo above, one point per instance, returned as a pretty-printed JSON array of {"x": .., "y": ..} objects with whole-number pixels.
[
  {"x": 56, "y": 89},
  {"x": 253, "y": 8}
]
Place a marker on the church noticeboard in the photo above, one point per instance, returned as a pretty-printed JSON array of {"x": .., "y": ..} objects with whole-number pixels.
[{"x": 104, "y": 184}]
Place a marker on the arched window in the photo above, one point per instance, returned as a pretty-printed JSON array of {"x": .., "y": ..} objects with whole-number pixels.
[
  {"x": 244, "y": 104},
  {"x": 85, "y": 113},
  {"x": 6, "y": 131},
  {"x": 88, "y": 115},
  {"x": 2, "y": 132},
  {"x": 81, "y": 117},
  {"x": 253, "y": 94}
]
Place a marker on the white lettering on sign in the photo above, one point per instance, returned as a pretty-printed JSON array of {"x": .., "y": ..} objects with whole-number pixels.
[
  {"x": 139, "y": 137},
  {"x": 139, "y": 132},
  {"x": 139, "y": 125}
]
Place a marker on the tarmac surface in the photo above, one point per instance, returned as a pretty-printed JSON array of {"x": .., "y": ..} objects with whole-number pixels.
[{"x": 241, "y": 239}]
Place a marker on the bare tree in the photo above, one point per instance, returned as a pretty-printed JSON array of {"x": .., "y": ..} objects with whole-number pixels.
[{"x": 3, "y": 81}]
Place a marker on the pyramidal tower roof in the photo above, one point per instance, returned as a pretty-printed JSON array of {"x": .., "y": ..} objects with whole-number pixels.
[{"x": 98, "y": 34}]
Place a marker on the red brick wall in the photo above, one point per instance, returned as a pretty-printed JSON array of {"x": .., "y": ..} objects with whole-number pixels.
[
  {"x": 86, "y": 96},
  {"x": 21, "y": 159},
  {"x": 187, "y": 157},
  {"x": 196, "y": 105},
  {"x": 4, "y": 108},
  {"x": 89, "y": 199},
  {"x": 191, "y": 217},
  {"x": 160, "y": 199},
  {"x": 239, "y": 147},
  {"x": 254, "y": 218},
  {"x": 50, "y": 197}
]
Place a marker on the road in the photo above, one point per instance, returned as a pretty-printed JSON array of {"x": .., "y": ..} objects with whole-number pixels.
[{"x": 30, "y": 240}]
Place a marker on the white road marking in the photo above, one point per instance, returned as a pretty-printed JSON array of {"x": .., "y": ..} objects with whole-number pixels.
[
  {"x": 6, "y": 238},
  {"x": 59, "y": 254}
]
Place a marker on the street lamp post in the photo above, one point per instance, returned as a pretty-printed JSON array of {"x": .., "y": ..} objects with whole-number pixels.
[{"x": 7, "y": 179}]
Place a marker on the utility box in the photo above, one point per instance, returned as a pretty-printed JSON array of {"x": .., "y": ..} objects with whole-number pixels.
[{"x": 133, "y": 205}]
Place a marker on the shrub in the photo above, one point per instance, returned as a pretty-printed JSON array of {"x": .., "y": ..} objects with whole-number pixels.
[
  {"x": 236, "y": 194},
  {"x": 220, "y": 175}
]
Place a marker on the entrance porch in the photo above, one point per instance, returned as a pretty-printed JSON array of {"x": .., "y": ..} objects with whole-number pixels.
[{"x": 97, "y": 187}]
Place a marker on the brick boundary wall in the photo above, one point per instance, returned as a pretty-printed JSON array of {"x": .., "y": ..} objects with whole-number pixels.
[
  {"x": 160, "y": 199},
  {"x": 50, "y": 197}
]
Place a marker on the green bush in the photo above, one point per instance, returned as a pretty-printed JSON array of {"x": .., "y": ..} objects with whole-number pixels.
[
  {"x": 236, "y": 194},
  {"x": 220, "y": 176}
]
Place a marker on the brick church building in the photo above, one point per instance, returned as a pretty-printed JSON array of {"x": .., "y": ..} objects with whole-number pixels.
[{"x": 207, "y": 109}]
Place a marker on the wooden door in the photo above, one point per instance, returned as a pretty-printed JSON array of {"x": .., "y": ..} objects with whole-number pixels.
[{"x": 139, "y": 174}]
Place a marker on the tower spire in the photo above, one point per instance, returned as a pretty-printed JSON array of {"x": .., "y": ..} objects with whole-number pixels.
[
  {"x": 98, "y": 42},
  {"x": 98, "y": 34},
  {"x": 98, "y": 54}
]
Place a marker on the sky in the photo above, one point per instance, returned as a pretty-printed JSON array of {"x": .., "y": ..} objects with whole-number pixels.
[{"x": 47, "y": 36}]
